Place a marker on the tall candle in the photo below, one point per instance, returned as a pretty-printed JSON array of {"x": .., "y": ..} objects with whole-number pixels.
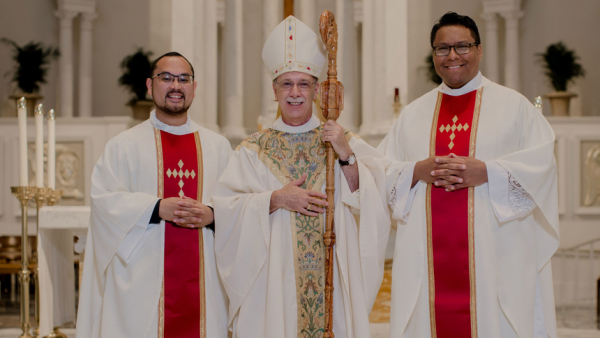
[
  {"x": 51, "y": 151},
  {"x": 39, "y": 146},
  {"x": 22, "y": 117}
]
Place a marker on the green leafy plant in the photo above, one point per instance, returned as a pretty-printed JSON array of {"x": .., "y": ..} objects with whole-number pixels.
[
  {"x": 561, "y": 66},
  {"x": 432, "y": 75},
  {"x": 31, "y": 59},
  {"x": 136, "y": 69}
]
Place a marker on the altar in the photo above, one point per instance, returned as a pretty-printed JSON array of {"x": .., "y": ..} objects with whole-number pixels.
[{"x": 58, "y": 226}]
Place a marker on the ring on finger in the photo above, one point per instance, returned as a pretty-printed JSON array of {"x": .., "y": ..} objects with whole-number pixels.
[{"x": 309, "y": 207}]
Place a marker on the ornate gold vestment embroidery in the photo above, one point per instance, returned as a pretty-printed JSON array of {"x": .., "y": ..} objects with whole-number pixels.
[{"x": 289, "y": 156}]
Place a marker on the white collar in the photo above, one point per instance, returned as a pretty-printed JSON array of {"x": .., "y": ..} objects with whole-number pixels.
[
  {"x": 313, "y": 123},
  {"x": 175, "y": 130},
  {"x": 472, "y": 85}
]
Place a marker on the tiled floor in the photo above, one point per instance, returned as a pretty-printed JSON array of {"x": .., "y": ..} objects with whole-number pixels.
[{"x": 380, "y": 316}]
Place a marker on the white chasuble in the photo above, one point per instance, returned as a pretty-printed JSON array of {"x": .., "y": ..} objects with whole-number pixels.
[
  {"x": 120, "y": 295},
  {"x": 513, "y": 241},
  {"x": 272, "y": 265}
]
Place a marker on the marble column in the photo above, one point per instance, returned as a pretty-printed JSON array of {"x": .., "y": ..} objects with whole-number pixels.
[
  {"x": 381, "y": 108},
  {"x": 198, "y": 28},
  {"x": 85, "y": 64},
  {"x": 65, "y": 64},
  {"x": 234, "y": 113},
  {"x": 306, "y": 11},
  {"x": 271, "y": 18},
  {"x": 511, "y": 68},
  {"x": 210, "y": 50},
  {"x": 367, "y": 67},
  {"x": 346, "y": 62},
  {"x": 490, "y": 47}
]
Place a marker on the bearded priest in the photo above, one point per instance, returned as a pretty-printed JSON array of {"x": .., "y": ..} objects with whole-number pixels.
[
  {"x": 150, "y": 266},
  {"x": 476, "y": 203},
  {"x": 271, "y": 204}
]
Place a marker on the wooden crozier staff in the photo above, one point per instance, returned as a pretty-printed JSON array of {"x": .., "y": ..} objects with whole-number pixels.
[{"x": 332, "y": 103}]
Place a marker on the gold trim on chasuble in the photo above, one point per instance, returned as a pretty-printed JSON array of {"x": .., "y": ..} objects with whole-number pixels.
[
  {"x": 471, "y": 217},
  {"x": 161, "y": 194},
  {"x": 288, "y": 156},
  {"x": 161, "y": 302}
]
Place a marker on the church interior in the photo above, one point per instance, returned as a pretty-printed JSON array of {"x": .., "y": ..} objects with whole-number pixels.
[{"x": 383, "y": 57}]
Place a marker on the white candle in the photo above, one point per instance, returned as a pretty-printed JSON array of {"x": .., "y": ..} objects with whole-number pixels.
[
  {"x": 22, "y": 117},
  {"x": 51, "y": 151},
  {"x": 39, "y": 146}
]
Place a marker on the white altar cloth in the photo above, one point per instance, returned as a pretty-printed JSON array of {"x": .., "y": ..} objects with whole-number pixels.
[{"x": 58, "y": 225}]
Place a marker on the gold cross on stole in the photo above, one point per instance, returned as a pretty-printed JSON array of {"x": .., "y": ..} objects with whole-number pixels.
[
  {"x": 180, "y": 174},
  {"x": 448, "y": 127}
]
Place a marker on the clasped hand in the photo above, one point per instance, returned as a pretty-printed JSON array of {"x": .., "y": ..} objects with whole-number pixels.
[
  {"x": 185, "y": 212},
  {"x": 452, "y": 172}
]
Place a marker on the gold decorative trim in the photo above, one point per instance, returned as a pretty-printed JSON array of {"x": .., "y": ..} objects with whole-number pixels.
[
  {"x": 160, "y": 194},
  {"x": 159, "y": 161},
  {"x": 201, "y": 240},
  {"x": 436, "y": 114},
  {"x": 472, "y": 279},
  {"x": 161, "y": 310},
  {"x": 430, "y": 264},
  {"x": 475, "y": 122},
  {"x": 430, "y": 269},
  {"x": 471, "y": 206}
]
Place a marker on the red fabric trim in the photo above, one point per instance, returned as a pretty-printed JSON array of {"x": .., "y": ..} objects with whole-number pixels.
[
  {"x": 450, "y": 237},
  {"x": 181, "y": 266}
]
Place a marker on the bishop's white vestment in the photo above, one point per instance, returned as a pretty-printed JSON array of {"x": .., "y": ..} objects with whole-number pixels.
[
  {"x": 514, "y": 223},
  {"x": 123, "y": 279},
  {"x": 272, "y": 264}
]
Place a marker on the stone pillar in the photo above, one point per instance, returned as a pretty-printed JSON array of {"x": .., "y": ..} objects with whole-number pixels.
[
  {"x": 490, "y": 47},
  {"x": 85, "y": 64},
  {"x": 511, "y": 76},
  {"x": 234, "y": 113},
  {"x": 65, "y": 65},
  {"x": 368, "y": 66},
  {"x": 271, "y": 18},
  {"x": 306, "y": 11},
  {"x": 346, "y": 62},
  {"x": 210, "y": 65}
]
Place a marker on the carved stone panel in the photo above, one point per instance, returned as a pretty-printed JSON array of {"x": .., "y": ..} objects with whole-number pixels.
[
  {"x": 69, "y": 170},
  {"x": 590, "y": 173}
]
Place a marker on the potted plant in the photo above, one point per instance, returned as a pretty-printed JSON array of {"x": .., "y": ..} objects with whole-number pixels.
[
  {"x": 136, "y": 69},
  {"x": 30, "y": 69},
  {"x": 561, "y": 68}
]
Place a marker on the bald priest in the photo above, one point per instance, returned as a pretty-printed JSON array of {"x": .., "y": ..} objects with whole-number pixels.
[{"x": 270, "y": 202}]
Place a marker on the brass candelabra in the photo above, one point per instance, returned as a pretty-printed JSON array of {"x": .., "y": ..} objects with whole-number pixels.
[{"x": 24, "y": 194}]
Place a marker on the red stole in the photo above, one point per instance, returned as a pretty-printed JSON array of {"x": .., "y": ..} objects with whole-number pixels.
[
  {"x": 450, "y": 232},
  {"x": 182, "y": 308}
]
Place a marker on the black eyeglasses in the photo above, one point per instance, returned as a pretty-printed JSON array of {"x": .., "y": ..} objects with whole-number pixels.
[
  {"x": 460, "y": 49},
  {"x": 168, "y": 78}
]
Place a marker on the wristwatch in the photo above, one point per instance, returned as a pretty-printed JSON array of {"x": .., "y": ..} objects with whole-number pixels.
[{"x": 350, "y": 161}]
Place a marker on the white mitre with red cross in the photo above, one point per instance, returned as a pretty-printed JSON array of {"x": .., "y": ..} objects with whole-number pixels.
[{"x": 293, "y": 47}]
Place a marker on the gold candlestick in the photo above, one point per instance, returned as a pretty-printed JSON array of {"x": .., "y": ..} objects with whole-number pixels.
[
  {"x": 24, "y": 194},
  {"x": 53, "y": 196},
  {"x": 40, "y": 197}
]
